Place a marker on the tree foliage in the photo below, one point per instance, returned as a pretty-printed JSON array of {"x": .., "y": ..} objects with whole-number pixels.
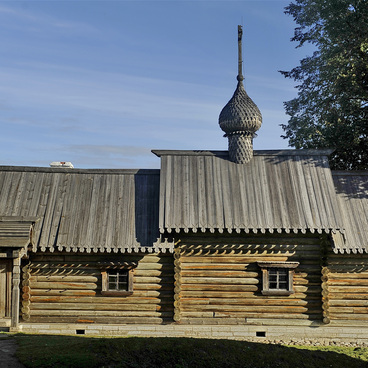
[{"x": 331, "y": 109}]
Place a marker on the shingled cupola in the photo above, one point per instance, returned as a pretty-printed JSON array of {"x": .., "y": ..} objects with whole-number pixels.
[{"x": 240, "y": 118}]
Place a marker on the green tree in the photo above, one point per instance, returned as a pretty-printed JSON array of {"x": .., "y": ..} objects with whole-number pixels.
[{"x": 331, "y": 109}]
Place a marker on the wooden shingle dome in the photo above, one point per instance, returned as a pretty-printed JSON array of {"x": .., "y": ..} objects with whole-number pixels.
[{"x": 240, "y": 119}]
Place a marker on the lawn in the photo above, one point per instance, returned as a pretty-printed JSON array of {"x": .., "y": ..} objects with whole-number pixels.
[{"x": 43, "y": 351}]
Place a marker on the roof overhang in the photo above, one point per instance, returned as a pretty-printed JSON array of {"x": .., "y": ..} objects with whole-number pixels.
[{"x": 16, "y": 232}]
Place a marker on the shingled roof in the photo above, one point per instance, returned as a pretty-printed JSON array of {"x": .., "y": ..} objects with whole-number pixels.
[
  {"x": 84, "y": 210},
  {"x": 352, "y": 193},
  {"x": 290, "y": 190}
]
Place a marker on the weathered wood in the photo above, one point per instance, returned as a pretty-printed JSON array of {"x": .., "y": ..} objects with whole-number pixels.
[
  {"x": 186, "y": 314},
  {"x": 98, "y": 319},
  {"x": 63, "y": 285},
  {"x": 348, "y": 282},
  {"x": 348, "y": 296},
  {"x": 249, "y": 302},
  {"x": 94, "y": 307},
  {"x": 350, "y": 316},
  {"x": 348, "y": 289},
  {"x": 230, "y": 259},
  {"x": 73, "y": 279},
  {"x": 220, "y": 281},
  {"x": 234, "y": 295},
  {"x": 107, "y": 313},
  {"x": 101, "y": 300},
  {"x": 215, "y": 273},
  {"x": 348, "y": 275}
]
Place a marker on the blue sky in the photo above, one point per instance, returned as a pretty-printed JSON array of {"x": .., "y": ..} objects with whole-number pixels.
[{"x": 101, "y": 83}]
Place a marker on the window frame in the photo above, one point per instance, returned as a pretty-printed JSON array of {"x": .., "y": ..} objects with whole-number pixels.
[
  {"x": 265, "y": 268},
  {"x": 105, "y": 291}
]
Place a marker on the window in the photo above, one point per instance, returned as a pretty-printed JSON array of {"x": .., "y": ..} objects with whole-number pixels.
[
  {"x": 277, "y": 277},
  {"x": 117, "y": 282}
]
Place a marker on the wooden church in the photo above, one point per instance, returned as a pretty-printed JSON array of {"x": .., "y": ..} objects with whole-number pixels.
[{"x": 233, "y": 244}]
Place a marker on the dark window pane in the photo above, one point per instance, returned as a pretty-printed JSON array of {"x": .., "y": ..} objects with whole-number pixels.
[
  {"x": 118, "y": 280},
  {"x": 278, "y": 278}
]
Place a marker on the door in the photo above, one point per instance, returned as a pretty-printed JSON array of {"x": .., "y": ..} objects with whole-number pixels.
[{"x": 5, "y": 288}]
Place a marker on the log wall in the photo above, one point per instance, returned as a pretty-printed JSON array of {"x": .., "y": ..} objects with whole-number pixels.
[
  {"x": 218, "y": 280},
  {"x": 347, "y": 291},
  {"x": 67, "y": 288}
]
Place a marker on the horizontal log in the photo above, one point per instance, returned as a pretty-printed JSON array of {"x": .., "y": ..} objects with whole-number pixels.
[
  {"x": 348, "y": 282},
  {"x": 85, "y": 313},
  {"x": 217, "y": 266},
  {"x": 348, "y": 275},
  {"x": 348, "y": 303},
  {"x": 152, "y": 286},
  {"x": 226, "y": 294},
  {"x": 99, "y": 320},
  {"x": 208, "y": 287},
  {"x": 348, "y": 296},
  {"x": 215, "y": 273},
  {"x": 102, "y": 300},
  {"x": 245, "y": 308},
  {"x": 349, "y": 316},
  {"x": 153, "y": 280},
  {"x": 219, "y": 280},
  {"x": 251, "y": 315},
  {"x": 244, "y": 288},
  {"x": 355, "y": 310},
  {"x": 309, "y": 289},
  {"x": 249, "y": 302},
  {"x": 154, "y": 273},
  {"x": 63, "y": 285},
  {"x": 81, "y": 293},
  {"x": 348, "y": 289},
  {"x": 303, "y": 269},
  {"x": 63, "y": 292},
  {"x": 73, "y": 279},
  {"x": 95, "y": 307},
  {"x": 233, "y": 259}
]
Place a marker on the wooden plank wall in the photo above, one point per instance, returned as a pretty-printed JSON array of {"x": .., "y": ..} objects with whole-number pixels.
[
  {"x": 67, "y": 288},
  {"x": 347, "y": 287},
  {"x": 218, "y": 280}
]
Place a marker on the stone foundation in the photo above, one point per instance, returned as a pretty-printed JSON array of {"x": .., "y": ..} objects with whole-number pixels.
[{"x": 316, "y": 335}]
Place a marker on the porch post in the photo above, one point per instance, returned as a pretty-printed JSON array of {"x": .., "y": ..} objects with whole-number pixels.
[{"x": 15, "y": 293}]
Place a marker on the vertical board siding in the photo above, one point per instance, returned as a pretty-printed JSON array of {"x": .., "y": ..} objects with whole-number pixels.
[
  {"x": 220, "y": 279},
  {"x": 67, "y": 288},
  {"x": 347, "y": 281}
]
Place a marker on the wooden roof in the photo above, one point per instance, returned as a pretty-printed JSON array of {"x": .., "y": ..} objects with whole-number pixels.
[
  {"x": 352, "y": 193},
  {"x": 84, "y": 210},
  {"x": 279, "y": 191},
  {"x": 15, "y": 232}
]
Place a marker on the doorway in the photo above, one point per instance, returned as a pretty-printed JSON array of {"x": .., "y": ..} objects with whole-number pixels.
[{"x": 5, "y": 288}]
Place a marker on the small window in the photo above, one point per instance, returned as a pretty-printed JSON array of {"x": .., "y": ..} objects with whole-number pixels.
[
  {"x": 277, "y": 277},
  {"x": 117, "y": 282}
]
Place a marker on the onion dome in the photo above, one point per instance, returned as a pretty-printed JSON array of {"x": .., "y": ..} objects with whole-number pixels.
[{"x": 240, "y": 119}]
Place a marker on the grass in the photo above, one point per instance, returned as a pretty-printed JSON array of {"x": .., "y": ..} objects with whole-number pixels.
[{"x": 43, "y": 351}]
